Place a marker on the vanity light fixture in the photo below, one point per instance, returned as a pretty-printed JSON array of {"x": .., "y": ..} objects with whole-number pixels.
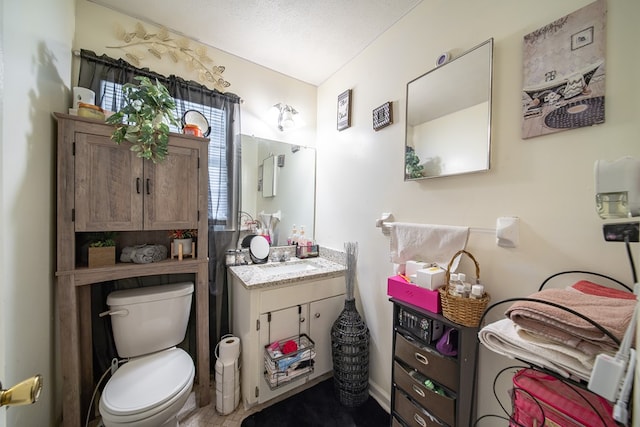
[{"x": 285, "y": 116}]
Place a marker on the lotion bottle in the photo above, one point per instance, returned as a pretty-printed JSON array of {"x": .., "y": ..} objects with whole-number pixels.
[{"x": 293, "y": 238}]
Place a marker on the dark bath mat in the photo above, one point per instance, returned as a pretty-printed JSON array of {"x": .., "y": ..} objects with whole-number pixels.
[{"x": 318, "y": 406}]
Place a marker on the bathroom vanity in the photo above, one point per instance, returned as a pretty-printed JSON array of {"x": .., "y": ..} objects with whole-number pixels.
[{"x": 277, "y": 301}]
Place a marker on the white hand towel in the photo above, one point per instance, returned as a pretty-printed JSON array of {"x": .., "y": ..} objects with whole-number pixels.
[{"x": 426, "y": 242}]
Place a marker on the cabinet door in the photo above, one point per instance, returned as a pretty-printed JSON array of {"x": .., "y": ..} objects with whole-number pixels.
[
  {"x": 171, "y": 191},
  {"x": 322, "y": 315},
  {"x": 277, "y": 326},
  {"x": 108, "y": 184}
]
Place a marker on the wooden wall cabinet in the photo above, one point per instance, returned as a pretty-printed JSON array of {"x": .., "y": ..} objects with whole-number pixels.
[
  {"x": 116, "y": 190},
  {"x": 415, "y": 358},
  {"x": 103, "y": 186}
]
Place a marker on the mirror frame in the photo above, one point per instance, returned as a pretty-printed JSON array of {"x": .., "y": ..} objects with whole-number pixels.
[{"x": 464, "y": 106}]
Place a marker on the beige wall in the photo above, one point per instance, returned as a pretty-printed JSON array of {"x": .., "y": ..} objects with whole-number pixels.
[
  {"x": 35, "y": 77},
  {"x": 259, "y": 87},
  {"x": 546, "y": 181}
]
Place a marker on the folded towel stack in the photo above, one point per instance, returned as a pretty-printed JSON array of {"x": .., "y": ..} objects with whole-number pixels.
[
  {"x": 555, "y": 339},
  {"x": 144, "y": 254},
  {"x": 559, "y": 325}
]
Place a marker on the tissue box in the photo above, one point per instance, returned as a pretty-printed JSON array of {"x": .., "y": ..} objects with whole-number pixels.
[
  {"x": 430, "y": 278},
  {"x": 399, "y": 288}
]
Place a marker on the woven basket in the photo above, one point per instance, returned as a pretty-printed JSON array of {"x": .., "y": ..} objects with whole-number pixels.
[
  {"x": 464, "y": 311},
  {"x": 350, "y": 354}
]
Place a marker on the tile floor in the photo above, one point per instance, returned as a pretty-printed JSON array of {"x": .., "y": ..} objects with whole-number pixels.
[{"x": 207, "y": 416}]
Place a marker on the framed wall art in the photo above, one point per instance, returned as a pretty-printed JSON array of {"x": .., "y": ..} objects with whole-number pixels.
[
  {"x": 564, "y": 73},
  {"x": 382, "y": 116},
  {"x": 344, "y": 110}
]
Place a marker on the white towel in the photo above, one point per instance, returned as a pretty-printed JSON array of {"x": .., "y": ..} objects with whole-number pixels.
[
  {"x": 506, "y": 338},
  {"x": 428, "y": 243}
]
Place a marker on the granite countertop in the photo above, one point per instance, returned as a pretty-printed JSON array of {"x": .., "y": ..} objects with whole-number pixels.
[{"x": 254, "y": 276}]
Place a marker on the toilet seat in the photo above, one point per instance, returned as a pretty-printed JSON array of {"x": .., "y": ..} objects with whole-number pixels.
[{"x": 147, "y": 386}]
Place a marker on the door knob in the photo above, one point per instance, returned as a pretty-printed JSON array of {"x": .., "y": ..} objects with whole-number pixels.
[{"x": 24, "y": 393}]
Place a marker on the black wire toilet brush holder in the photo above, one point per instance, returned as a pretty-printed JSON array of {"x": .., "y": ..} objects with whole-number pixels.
[{"x": 350, "y": 345}]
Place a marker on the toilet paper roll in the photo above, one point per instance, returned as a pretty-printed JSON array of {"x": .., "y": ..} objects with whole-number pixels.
[{"x": 228, "y": 349}]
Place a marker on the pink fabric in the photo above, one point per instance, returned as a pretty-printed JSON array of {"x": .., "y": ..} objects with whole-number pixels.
[{"x": 594, "y": 289}]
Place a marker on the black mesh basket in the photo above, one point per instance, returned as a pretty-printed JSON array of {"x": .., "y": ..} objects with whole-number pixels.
[{"x": 350, "y": 352}]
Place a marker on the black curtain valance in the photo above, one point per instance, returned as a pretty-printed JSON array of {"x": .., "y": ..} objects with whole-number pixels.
[{"x": 96, "y": 69}]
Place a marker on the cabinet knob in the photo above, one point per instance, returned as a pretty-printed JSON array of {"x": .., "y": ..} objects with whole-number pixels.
[
  {"x": 421, "y": 358},
  {"x": 317, "y": 315},
  {"x": 302, "y": 319},
  {"x": 138, "y": 185},
  {"x": 419, "y": 420},
  {"x": 148, "y": 186}
]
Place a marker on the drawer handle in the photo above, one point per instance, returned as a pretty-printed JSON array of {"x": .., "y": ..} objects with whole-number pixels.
[
  {"x": 421, "y": 358},
  {"x": 419, "y": 420},
  {"x": 418, "y": 390}
]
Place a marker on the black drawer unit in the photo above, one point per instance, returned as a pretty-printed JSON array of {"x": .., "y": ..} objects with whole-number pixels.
[{"x": 429, "y": 387}]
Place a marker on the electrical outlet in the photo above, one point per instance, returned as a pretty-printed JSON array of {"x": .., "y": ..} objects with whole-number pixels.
[
  {"x": 606, "y": 376},
  {"x": 617, "y": 232}
]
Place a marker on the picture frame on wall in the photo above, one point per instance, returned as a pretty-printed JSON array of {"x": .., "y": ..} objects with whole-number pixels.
[
  {"x": 564, "y": 72},
  {"x": 344, "y": 110},
  {"x": 382, "y": 116}
]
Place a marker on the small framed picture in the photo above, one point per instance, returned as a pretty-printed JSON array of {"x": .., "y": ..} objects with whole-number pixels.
[
  {"x": 344, "y": 109},
  {"x": 382, "y": 116},
  {"x": 582, "y": 38}
]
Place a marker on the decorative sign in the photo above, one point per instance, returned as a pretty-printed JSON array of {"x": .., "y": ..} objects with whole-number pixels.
[
  {"x": 344, "y": 109},
  {"x": 382, "y": 116}
]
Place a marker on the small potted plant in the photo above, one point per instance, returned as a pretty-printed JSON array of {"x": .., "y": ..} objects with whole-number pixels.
[
  {"x": 148, "y": 110},
  {"x": 102, "y": 250},
  {"x": 182, "y": 239}
]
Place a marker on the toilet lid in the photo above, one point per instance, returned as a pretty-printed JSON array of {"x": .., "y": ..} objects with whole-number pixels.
[{"x": 146, "y": 382}]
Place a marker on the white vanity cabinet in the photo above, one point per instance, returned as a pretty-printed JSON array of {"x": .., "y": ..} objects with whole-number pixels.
[{"x": 265, "y": 314}]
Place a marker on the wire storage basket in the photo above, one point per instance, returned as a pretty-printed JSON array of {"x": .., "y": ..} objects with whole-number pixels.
[{"x": 458, "y": 309}]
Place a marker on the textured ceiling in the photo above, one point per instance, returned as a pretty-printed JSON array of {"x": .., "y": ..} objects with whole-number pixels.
[{"x": 305, "y": 39}]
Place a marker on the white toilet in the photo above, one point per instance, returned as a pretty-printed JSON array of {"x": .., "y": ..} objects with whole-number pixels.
[{"x": 150, "y": 389}]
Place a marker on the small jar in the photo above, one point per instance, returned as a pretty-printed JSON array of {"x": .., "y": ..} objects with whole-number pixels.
[
  {"x": 190, "y": 129},
  {"x": 477, "y": 291},
  {"x": 230, "y": 257}
]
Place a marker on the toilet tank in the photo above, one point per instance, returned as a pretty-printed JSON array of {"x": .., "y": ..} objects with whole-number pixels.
[{"x": 149, "y": 319}]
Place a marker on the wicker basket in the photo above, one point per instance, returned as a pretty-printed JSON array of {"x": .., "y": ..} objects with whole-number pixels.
[
  {"x": 464, "y": 311},
  {"x": 350, "y": 354}
]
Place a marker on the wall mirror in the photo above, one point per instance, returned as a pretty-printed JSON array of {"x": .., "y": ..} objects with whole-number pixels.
[
  {"x": 449, "y": 117},
  {"x": 294, "y": 169},
  {"x": 269, "y": 177}
]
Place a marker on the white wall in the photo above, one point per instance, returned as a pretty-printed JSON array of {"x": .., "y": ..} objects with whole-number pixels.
[
  {"x": 259, "y": 87},
  {"x": 546, "y": 181},
  {"x": 36, "y": 62}
]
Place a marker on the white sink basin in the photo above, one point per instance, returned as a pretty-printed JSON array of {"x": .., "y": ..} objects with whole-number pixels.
[{"x": 287, "y": 267}]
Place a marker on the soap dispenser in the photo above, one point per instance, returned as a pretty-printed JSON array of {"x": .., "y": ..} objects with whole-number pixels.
[
  {"x": 301, "y": 251},
  {"x": 293, "y": 238}
]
